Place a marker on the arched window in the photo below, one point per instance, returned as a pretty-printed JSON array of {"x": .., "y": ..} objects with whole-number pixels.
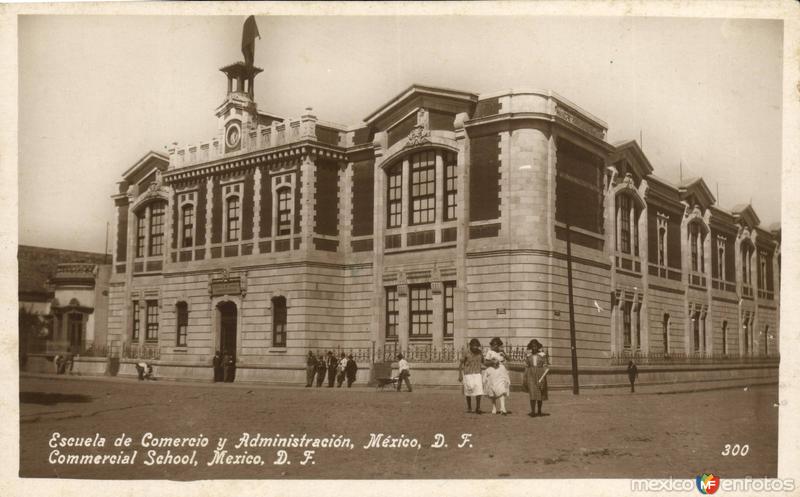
[
  {"x": 182, "y": 320},
  {"x": 450, "y": 186},
  {"x": 150, "y": 229},
  {"x": 156, "y": 229},
  {"x": 279, "y": 321},
  {"x": 232, "y": 210},
  {"x": 187, "y": 224},
  {"x": 628, "y": 225},
  {"x": 746, "y": 254},
  {"x": 394, "y": 196},
  {"x": 284, "y": 214},
  {"x": 696, "y": 247},
  {"x": 423, "y": 187},
  {"x": 662, "y": 246},
  {"x": 141, "y": 226}
]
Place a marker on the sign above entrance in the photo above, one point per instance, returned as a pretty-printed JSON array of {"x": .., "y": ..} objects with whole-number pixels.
[{"x": 231, "y": 286}]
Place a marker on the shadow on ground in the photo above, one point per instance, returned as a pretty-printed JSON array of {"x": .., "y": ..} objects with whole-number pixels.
[{"x": 51, "y": 399}]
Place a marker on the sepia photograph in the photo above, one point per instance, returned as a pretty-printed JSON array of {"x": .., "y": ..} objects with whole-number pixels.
[{"x": 402, "y": 244}]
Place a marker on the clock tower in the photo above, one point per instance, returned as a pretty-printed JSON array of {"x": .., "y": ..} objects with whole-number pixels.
[{"x": 238, "y": 114}]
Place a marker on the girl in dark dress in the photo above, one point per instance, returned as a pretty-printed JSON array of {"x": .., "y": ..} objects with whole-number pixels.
[{"x": 535, "y": 380}]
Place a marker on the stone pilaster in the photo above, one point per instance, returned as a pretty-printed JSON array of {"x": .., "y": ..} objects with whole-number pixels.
[
  {"x": 462, "y": 234},
  {"x": 403, "y": 316},
  {"x": 209, "y": 214},
  {"x": 307, "y": 204},
  {"x": 345, "y": 207},
  {"x": 257, "y": 210}
]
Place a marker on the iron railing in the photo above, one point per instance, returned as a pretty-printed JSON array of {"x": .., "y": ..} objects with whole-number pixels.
[
  {"x": 664, "y": 358},
  {"x": 144, "y": 351}
]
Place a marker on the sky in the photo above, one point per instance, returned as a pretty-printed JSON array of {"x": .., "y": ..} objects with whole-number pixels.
[{"x": 96, "y": 93}]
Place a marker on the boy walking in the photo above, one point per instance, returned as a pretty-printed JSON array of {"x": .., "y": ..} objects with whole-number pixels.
[{"x": 404, "y": 371}]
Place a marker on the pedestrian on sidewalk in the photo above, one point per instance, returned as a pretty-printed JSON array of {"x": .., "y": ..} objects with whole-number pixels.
[
  {"x": 332, "y": 364},
  {"x": 228, "y": 367},
  {"x": 321, "y": 369},
  {"x": 351, "y": 370},
  {"x": 217, "y": 363},
  {"x": 469, "y": 374},
  {"x": 340, "y": 369},
  {"x": 403, "y": 372},
  {"x": 633, "y": 374},
  {"x": 311, "y": 368},
  {"x": 535, "y": 377},
  {"x": 496, "y": 381}
]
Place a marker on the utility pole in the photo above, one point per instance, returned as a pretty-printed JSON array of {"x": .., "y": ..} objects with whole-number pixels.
[{"x": 572, "y": 341}]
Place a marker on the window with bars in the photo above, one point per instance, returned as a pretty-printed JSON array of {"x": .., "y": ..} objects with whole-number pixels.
[
  {"x": 233, "y": 218},
  {"x": 279, "y": 322},
  {"x": 187, "y": 222},
  {"x": 449, "y": 309},
  {"x": 156, "y": 229},
  {"x": 423, "y": 187},
  {"x": 141, "y": 223},
  {"x": 151, "y": 322},
  {"x": 420, "y": 304},
  {"x": 182, "y": 318},
  {"x": 392, "y": 313},
  {"x": 450, "y": 186},
  {"x": 284, "y": 212},
  {"x": 135, "y": 324},
  {"x": 394, "y": 206}
]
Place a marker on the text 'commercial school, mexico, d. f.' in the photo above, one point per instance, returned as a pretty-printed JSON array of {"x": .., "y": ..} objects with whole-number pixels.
[{"x": 441, "y": 217}]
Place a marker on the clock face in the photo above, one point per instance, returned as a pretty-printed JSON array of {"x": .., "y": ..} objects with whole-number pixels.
[{"x": 233, "y": 135}]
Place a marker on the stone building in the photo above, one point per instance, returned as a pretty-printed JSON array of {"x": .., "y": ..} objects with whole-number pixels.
[
  {"x": 441, "y": 217},
  {"x": 67, "y": 291}
]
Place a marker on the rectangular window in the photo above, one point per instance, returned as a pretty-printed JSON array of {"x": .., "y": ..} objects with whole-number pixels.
[
  {"x": 182, "y": 311},
  {"x": 279, "y": 322},
  {"x": 394, "y": 213},
  {"x": 284, "y": 212},
  {"x": 449, "y": 309},
  {"x": 141, "y": 221},
  {"x": 420, "y": 302},
  {"x": 187, "y": 213},
  {"x": 423, "y": 188},
  {"x": 156, "y": 229},
  {"x": 135, "y": 327},
  {"x": 725, "y": 337},
  {"x": 626, "y": 324},
  {"x": 696, "y": 331},
  {"x": 233, "y": 219},
  {"x": 638, "y": 327},
  {"x": 450, "y": 186},
  {"x": 392, "y": 313},
  {"x": 151, "y": 332}
]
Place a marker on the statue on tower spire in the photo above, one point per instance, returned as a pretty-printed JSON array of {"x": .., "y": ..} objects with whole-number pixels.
[{"x": 249, "y": 33}]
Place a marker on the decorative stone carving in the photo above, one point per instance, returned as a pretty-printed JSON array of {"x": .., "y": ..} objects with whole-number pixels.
[{"x": 579, "y": 122}]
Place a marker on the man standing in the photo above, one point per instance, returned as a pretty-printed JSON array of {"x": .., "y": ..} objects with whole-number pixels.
[
  {"x": 404, "y": 371},
  {"x": 340, "y": 370},
  {"x": 228, "y": 367},
  {"x": 311, "y": 368},
  {"x": 217, "y": 363},
  {"x": 350, "y": 370},
  {"x": 332, "y": 364},
  {"x": 321, "y": 368}
]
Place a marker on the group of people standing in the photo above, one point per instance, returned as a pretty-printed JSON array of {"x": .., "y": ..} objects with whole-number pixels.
[
  {"x": 486, "y": 374},
  {"x": 224, "y": 367},
  {"x": 337, "y": 369}
]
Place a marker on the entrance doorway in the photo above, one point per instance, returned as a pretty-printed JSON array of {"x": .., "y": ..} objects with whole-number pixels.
[
  {"x": 227, "y": 328},
  {"x": 75, "y": 333}
]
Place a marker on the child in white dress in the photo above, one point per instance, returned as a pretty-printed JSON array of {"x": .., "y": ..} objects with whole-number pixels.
[{"x": 497, "y": 383}]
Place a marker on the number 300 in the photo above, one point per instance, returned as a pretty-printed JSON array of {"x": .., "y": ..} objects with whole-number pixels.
[{"x": 736, "y": 450}]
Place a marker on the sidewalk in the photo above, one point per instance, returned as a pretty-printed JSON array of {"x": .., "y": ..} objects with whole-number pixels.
[{"x": 641, "y": 389}]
